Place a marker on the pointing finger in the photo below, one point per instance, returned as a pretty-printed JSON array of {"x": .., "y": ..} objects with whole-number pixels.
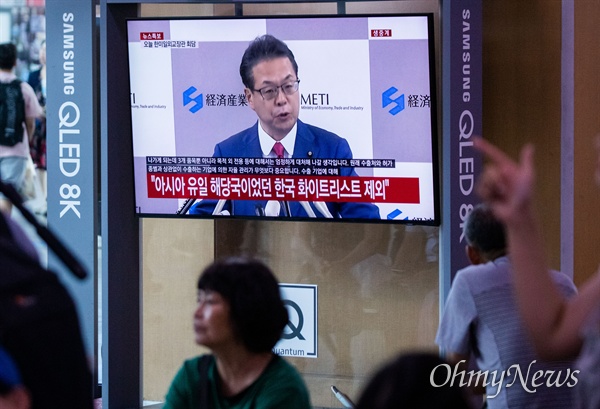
[
  {"x": 527, "y": 156},
  {"x": 491, "y": 151}
]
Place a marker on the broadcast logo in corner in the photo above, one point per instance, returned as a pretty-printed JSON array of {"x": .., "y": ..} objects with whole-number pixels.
[
  {"x": 197, "y": 100},
  {"x": 381, "y": 32},
  {"x": 530, "y": 379},
  {"x": 154, "y": 35}
]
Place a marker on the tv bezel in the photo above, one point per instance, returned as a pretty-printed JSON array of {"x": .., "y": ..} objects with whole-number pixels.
[{"x": 434, "y": 134}]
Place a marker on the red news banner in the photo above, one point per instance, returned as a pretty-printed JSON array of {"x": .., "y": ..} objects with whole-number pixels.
[
  {"x": 299, "y": 188},
  {"x": 291, "y": 179}
]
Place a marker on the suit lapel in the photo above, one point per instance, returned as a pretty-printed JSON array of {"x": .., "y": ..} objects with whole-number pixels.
[
  {"x": 251, "y": 148},
  {"x": 305, "y": 142}
]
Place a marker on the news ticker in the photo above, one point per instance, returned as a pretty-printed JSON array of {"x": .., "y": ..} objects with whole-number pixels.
[{"x": 260, "y": 166}]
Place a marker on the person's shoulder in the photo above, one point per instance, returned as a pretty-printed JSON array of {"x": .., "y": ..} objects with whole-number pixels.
[
  {"x": 280, "y": 364},
  {"x": 282, "y": 369},
  {"x": 192, "y": 365},
  {"x": 285, "y": 384},
  {"x": 469, "y": 273},
  {"x": 194, "y": 360},
  {"x": 189, "y": 371},
  {"x": 10, "y": 78},
  {"x": 28, "y": 93},
  {"x": 240, "y": 137},
  {"x": 462, "y": 282},
  {"x": 480, "y": 275},
  {"x": 320, "y": 132},
  {"x": 6, "y": 77},
  {"x": 243, "y": 132},
  {"x": 26, "y": 88},
  {"x": 324, "y": 141}
]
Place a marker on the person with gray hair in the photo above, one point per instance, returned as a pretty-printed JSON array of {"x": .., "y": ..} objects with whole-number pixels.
[
  {"x": 481, "y": 323},
  {"x": 485, "y": 236}
]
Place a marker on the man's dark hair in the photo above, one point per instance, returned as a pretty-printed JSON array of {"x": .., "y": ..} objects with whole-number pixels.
[
  {"x": 252, "y": 291},
  {"x": 485, "y": 232},
  {"x": 263, "y": 48},
  {"x": 407, "y": 382},
  {"x": 8, "y": 56}
]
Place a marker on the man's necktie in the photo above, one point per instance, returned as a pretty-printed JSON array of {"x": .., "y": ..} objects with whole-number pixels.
[
  {"x": 278, "y": 149},
  {"x": 285, "y": 206}
]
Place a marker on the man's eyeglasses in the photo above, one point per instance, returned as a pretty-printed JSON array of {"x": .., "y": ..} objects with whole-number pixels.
[{"x": 271, "y": 91}]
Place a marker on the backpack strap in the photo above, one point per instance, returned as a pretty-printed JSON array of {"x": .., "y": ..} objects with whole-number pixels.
[
  {"x": 12, "y": 121},
  {"x": 205, "y": 400}
]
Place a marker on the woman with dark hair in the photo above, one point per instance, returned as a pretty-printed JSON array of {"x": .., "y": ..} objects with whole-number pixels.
[
  {"x": 416, "y": 380},
  {"x": 240, "y": 317}
]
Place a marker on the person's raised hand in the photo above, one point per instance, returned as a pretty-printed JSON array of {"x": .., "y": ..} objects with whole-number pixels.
[{"x": 506, "y": 185}]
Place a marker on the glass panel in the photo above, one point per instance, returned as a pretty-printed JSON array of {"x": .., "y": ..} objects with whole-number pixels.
[
  {"x": 377, "y": 291},
  {"x": 289, "y": 8},
  {"x": 390, "y": 7},
  {"x": 182, "y": 10},
  {"x": 174, "y": 252}
]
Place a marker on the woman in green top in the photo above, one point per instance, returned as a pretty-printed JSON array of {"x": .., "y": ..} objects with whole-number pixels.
[{"x": 240, "y": 316}]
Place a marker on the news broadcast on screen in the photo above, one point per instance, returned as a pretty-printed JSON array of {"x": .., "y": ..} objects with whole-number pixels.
[{"x": 365, "y": 82}]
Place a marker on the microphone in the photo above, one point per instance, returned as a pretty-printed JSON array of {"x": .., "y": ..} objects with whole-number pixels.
[
  {"x": 309, "y": 154},
  {"x": 308, "y": 209},
  {"x": 53, "y": 242},
  {"x": 322, "y": 207},
  {"x": 342, "y": 397},
  {"x": 272, "y": 208},
  {"x": 185, "y": 207},
  {"x": 219, "y": 207},
  {"x": 285, "y": 208},
  {"x": 259, "y": 210}
]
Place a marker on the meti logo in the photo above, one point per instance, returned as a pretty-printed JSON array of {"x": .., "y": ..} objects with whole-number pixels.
[
  {"x": 197, "y": 100},
  {"x": 394, "y": 214},
  {"x": 386, "y": 99}
]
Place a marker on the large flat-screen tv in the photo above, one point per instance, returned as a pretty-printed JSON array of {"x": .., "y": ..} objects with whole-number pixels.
[{"x": 363, "y": 147}]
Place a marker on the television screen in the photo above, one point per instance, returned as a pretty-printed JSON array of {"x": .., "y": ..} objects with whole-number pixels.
[{"x": 353, "y": 107}]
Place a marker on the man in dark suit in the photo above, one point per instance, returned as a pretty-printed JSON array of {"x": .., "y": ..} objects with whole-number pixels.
[{"x": 270, "y": 74}]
